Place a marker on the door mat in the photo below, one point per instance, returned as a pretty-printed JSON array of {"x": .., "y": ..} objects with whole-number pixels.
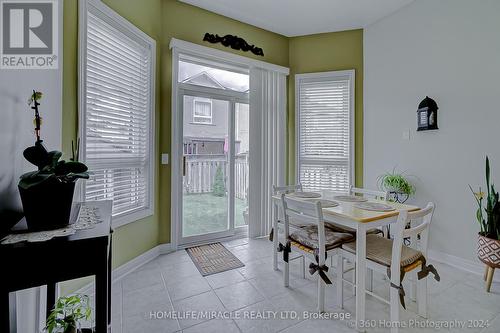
[{"x": 213, "y": 258}]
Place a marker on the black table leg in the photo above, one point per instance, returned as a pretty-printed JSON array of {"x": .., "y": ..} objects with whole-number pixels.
[
  {"x": 51, "y": 297},
  {"x": 110, "y": 250},
  {"x": 101, "y": 296},
  {"x": 4, "y": 311}
]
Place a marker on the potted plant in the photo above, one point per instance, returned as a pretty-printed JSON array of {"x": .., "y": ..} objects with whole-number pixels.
[
  {"x": 398, "y": 186},
  {"x": 47, "y": 193},
  {"x": 67, "y": 314},
  {"x": 488, "y": 244}
]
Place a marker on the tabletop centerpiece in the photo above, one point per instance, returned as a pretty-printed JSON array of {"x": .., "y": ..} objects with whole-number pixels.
[{"x": 397, "y": 184}]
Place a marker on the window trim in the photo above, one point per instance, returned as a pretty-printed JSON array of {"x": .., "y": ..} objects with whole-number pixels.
[
  {"x": 352, "y": 137},
  {"x": 202, "y": 100},
  {"x": 117, "y": 21}
]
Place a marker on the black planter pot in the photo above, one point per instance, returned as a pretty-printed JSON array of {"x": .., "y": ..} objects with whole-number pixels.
[{"x": 47, "y": 205}]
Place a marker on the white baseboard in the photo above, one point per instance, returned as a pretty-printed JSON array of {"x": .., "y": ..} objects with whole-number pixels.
[
  {"x": 471, "y": 266},
  {"x": 130, "y": 266}
]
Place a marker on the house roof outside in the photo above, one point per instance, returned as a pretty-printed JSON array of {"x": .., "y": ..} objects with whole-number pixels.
[
  {"x": 199, "y": 73},
  {"x": 205, "y": 79}
]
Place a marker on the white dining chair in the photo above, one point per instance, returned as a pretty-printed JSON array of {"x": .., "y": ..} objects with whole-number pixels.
[
  {"x": 367, "y": 193},
  {"x": 287, "y": 189},
  {"x": 279, "y": 190},
  {"x": 313, "y": 240},
  {"x": 392, "y": 257}
]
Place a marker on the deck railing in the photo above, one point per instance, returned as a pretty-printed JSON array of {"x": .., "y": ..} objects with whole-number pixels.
[{"x": 201, "y": 173}]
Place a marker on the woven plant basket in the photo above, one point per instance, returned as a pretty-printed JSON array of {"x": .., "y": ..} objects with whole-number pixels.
[{"x": 488, "y": 251}]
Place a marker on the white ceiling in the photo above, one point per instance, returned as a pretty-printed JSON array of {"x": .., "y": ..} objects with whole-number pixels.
[{"x": 303, "y": 17}]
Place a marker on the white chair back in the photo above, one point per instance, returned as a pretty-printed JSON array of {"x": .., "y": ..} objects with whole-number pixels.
[
  {"x": 380, "y": 195},
  {"x": 400, "y": 233},
  {"x": 278, "y": 190},
  {"x": 286, "y": 189},
  {"x": 421, "y": 229},
  {"x": 307, "y": 213}
]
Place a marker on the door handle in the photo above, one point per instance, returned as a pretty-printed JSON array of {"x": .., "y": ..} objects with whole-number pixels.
[{"x": 183, "y": 165}]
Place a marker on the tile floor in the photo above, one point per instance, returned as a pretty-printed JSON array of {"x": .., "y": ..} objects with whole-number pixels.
[{"x": 254, "y": 294}]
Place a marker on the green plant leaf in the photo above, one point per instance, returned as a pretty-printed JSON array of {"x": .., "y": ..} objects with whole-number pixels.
[
  {"x": 488, "y": 174},
  {"x": 394, "y": 182},
  {"x": 76, "y": 167},
  {"x": 68, "y": 312},
  {"x": 53, "y": 157},
  {"x": 31, "y": 179},
  {"x": 36, "y": 155}
]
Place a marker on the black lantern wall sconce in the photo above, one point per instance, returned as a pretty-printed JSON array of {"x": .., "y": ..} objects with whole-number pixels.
[{"x": 427, "y": 115}]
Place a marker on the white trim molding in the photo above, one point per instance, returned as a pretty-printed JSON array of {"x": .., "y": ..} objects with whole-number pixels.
[
  {"x": 203, "y": 51},
  {"x": 121, "y": 271},
  {"x": 474, "y": 267},
  {"x": 130, "y": 266}
]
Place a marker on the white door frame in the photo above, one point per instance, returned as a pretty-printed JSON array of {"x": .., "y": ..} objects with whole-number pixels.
[{"x": 178, "y": 91}]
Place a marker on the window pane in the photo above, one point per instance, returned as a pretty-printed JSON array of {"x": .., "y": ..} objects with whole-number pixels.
[
  {"x": 118, "y": 111},
  {"x": 206, "y": 76},
  {"x": 324, "y": 132},
  {"x": 205, "y": 171},
  {"x": 202, "y": 109}
]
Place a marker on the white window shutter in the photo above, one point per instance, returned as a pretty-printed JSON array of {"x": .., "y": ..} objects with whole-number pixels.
[
  {"x": 119, "y": 110},
  {"x": 325, "y": 115}
]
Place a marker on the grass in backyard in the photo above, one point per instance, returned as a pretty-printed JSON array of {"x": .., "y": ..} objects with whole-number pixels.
[{"x": 206, "y": 213}]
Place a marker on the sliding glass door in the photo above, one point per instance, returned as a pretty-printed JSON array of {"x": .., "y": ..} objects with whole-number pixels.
[{"x": 214, "y": 146}]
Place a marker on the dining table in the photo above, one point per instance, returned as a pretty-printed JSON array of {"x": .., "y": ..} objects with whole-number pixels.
[{"x": 347, "y": 214}]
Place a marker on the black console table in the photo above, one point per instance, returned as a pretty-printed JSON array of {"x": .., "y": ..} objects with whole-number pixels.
[{"x": 87, "y": 252}]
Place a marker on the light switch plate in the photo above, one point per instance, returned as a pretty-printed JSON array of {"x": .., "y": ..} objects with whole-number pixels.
[{"x": 164, "y": 158}]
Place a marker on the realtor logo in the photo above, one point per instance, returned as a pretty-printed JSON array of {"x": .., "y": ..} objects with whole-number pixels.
[{"x": 29, "y": 38}]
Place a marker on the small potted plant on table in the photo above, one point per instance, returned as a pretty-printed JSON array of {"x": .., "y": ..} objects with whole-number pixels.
[
  {"x": 68, "y": 313},
  {"x": 488, "y": 243},
  {"x": 398, "y": 186}
]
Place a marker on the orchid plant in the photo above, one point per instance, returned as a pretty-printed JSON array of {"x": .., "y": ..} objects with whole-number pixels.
[
  {"x": 490, "y": 226},
  {"x": 48, "y": 162}
]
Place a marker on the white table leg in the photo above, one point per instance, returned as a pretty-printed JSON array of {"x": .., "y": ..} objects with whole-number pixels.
[
  {"x": 360, "y": 275},
  {"x": 369, "y": 280},
  {"x": 275, "y": 237},
  {"x": 340, "y": 280}
]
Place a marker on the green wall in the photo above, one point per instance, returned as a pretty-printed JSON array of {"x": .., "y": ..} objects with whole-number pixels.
[
  {"x": 165, "y": 19},
  {"x": 320, "y": 53}
]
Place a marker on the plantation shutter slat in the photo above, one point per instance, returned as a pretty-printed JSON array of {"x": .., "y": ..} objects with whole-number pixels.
[
  {"x": 324, "y": 142},
  {"x": 117, "y": 123}
]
